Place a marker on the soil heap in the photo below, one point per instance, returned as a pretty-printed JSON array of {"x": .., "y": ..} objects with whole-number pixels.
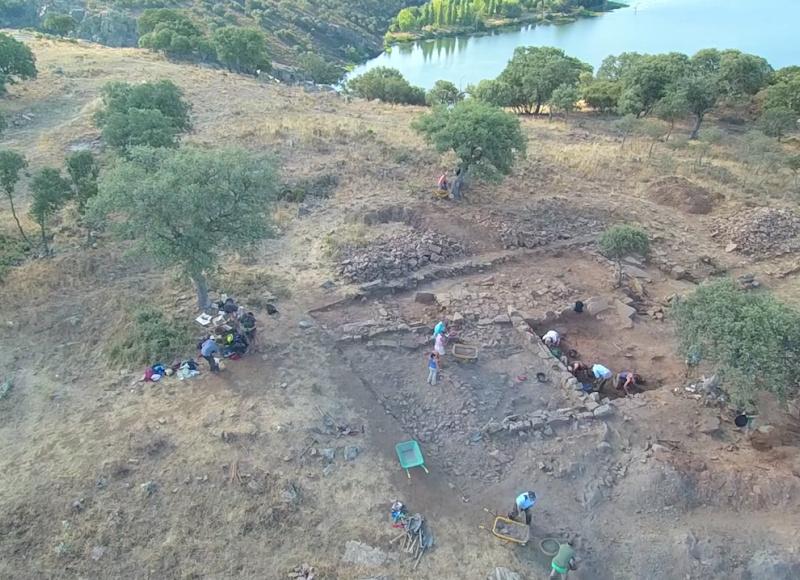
[
  {"x": 762, "y": 232},
  {"x": 680, "y": 193},
  {"x": 398, "y": 256}
]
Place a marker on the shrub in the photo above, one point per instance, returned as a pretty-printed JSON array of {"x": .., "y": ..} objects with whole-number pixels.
[
  {"x": 751, "y": 339},
  {"x": 151, "y": 336},
  {"x": 620, "y": 241}
]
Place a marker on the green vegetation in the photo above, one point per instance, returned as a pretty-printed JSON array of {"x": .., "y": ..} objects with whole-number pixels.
[
  {"x": 175, "y": 35},
  {"x": 151, "y": 114},
  {"x": 317, "y": 70},
  {"x": 777, "y": 122},
  {"x": 784, "y": 90},
  {"x": 16, "y": 62},
  {"x": 60, "y": 24},
  {"x": 83, "y": 172},
  {"x": 621, "y": 241},
  {"x": 242, "y": 50},
  {"x": 50, "y": 193},
  {"x": 564, "y": 99},
  {"x": 11, "y": 164},
  {"x": 486, "y": 140},
  {"x": 750, "y": 339},
  {"x": 443, "y": 93},
  {"x": 336, "y": 31},
  {"x": 529, "y": 79},
  {"x": 184, "y": 207},
  {"x": 150, "y": 336},
  {"x": 465, "y": 16},
  {"x": 673, "y": 86},
  {"x": 386, "y": 84}
]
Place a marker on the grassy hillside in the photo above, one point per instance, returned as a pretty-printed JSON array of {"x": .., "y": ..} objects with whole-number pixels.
[{"x": 339, "y": 30}]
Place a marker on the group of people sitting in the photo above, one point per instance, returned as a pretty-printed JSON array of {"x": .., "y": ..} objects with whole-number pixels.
[{"x": 596, "y": 377}]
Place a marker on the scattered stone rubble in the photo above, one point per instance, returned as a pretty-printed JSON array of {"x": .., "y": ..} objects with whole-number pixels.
[
  {"x": 546, "y": 222},
  {"x": 762, "y": 232},
  {"x": 398, "y": 256}
]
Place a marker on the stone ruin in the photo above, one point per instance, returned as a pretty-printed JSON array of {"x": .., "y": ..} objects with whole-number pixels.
[
  {"x": 398, "y": 256},
  {"x": 762, "y": 232}
]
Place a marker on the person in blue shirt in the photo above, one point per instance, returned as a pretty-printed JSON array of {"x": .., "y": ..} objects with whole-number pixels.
[
  {"x": 433, "y": 368},
  {"x": 523, "y": 503},
  {"x": 602, "y": 376},
  {"x": 208, "y": 350}
]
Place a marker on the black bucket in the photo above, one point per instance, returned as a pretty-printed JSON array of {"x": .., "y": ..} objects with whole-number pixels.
[
  {"x": 541, "y": 377},
  {"x": 741, "y": 421}
]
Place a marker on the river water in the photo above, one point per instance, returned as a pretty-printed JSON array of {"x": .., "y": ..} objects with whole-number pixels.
[{"x": 767, "y": 28}]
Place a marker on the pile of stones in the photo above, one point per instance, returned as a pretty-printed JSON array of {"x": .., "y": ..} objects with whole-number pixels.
[
  {"x": 398, "y": 256},
  {"x": 762, "y": 232},
  {"x": 542, "y": 223}
]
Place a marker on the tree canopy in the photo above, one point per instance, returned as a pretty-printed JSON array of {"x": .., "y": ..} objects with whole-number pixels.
[
  {"x": 242, "y": 50},
  {"x": 784, "y": 92},
  {"x": 146, "y": 114},
  {"x": 16, "y": 62},
  {"x": 388, "y": 85},
  {"x": 531, "y": 76},
  {"x": 318, "y": 70},
  {"x": 486, "y": 140},
  {"x": 60, "y": 24},
  {"x": 564, "y": 99},
  {"x": 83, "y": 172},
  {"x": 184, "y": 207},
  {"x": 50, "y": 193},
  {"x": 11, "y": 164},
  {"x": 750, "y": 339},
  {"x": 443, "y": 93},
  {"x": 174, "y": 34},
  {"x": 622, "y": 240}
]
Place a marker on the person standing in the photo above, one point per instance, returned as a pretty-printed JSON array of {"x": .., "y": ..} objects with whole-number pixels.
[
  {"x": 208, "y": 350},
  {"x": 563, "y": 562},
  {"x": 433, "y": 368},
  {"x": 523, "y": 503}
]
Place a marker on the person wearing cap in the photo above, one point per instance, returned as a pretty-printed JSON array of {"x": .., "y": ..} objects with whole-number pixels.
[
  {"x": 563, "y": 561},
  {"x": 523, "y": 503}
]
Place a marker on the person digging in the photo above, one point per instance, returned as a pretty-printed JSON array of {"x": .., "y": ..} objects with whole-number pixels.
[
  {"x": 627, "y": 380},
  {"x": 523, "y": 503},
  {"x": 563, "y": 561}
]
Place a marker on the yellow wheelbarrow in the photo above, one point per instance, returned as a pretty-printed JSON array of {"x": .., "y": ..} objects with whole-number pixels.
[{"x": 508, "y": 530}]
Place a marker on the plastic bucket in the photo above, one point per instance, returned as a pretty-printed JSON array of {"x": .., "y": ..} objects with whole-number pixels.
[{"x": 550, "y": 546}]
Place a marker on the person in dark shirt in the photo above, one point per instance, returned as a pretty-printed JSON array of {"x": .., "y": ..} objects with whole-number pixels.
[{"x": 248, "y": 322}]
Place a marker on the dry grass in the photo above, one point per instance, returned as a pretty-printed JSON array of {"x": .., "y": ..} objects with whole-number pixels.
[{"x": 70, "y": 421}]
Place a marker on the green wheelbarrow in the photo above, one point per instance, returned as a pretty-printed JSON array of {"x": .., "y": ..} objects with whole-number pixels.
[{"x": 410, "y": 456}]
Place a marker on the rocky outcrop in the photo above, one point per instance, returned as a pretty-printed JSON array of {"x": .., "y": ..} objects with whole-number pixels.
[
  {"x": 110, "y": 27},
  {"x": 398, "y": 256}
]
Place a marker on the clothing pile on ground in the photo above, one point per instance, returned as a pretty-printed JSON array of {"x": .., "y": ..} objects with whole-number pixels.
[{"x": 183, "y": 370}]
